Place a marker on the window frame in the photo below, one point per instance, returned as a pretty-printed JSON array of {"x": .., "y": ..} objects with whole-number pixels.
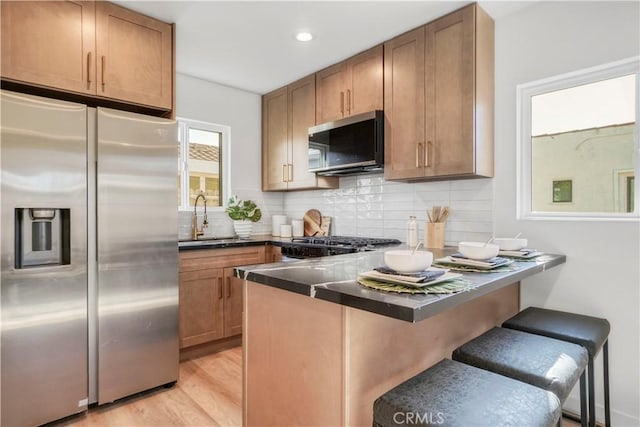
[
  {"x": 184, "y": 125},
  {"x": 524, "y": 93}
]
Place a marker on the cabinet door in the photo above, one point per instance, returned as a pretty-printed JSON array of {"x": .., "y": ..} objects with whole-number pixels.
[
  {"x": 302, "y": 108},
  {"x": 275, "y": 140},
  {"x": 50, "y": 43},
  {"x": 365, "y": 86},
  {"x": 201, "y": 306},
  {"x": 233, "y": 303},
  {"x": 331, "y": 93},
  {"x": 134, "y": 57},
  {"x": 404, "y": 106},
  {"x": 449, "y": 67}
]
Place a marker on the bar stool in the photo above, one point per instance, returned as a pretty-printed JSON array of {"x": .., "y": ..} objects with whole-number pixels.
[
  {"x": 454, "y": 394},
  {"x": 590, "y": 332},
  {"x": 547, "y": 363}
]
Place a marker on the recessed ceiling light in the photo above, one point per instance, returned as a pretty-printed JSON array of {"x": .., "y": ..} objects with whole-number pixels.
[{"x": 304, "y": 36}]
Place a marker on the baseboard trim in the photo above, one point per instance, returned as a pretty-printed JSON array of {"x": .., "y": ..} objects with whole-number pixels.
[{"x": 205, "y": 349}]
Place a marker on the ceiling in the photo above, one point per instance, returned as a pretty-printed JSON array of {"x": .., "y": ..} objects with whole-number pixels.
[{"x": 250, "y": 44}]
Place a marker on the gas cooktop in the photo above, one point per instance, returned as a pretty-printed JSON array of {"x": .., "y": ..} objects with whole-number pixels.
[{"x": 316, "y": 246}]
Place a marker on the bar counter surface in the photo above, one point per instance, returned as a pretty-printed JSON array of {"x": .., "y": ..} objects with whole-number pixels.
[
  {"x": 333, "y": 279},
  {"x": 318, "y": 348}
]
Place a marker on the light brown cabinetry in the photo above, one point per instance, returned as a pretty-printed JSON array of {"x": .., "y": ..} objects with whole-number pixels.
[
  {"x": 439, "y": 99},
  {"x": 287, "y": 114},
  {"x": 210, "y": 295},
  {"x": 92, "y": 48},
  {"x": 350, "y": 87},
  {"x": 134, "y": 54}
]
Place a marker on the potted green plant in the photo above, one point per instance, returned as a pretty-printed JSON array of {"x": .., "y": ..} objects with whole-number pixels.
[{"x": 243, "y": 213}]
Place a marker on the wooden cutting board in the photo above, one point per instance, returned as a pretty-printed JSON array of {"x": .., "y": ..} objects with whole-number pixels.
[{"x": 312, "y": 223}]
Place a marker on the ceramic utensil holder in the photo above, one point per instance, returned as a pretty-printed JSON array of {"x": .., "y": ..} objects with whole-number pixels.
[{"x": 434, "y": 235}]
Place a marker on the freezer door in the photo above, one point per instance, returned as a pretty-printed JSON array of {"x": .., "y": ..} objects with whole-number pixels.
[
  {"x": 44, "y": 307},
  {"x": 137, "y": 253}
]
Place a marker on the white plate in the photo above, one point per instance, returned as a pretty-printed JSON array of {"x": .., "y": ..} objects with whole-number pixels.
[{"x": 385, "y": 278}]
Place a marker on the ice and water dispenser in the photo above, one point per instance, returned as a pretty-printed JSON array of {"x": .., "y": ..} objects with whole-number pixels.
[{"x": 42, "y": 237}]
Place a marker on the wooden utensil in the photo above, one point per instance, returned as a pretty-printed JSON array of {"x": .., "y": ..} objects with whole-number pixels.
[{"x": 312, "y": 222}]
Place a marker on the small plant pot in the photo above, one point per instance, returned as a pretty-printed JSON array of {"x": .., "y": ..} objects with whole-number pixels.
[{"x": 243, "y": 228}]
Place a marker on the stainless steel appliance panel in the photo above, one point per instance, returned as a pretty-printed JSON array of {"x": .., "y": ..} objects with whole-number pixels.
[
  {"x": 137, "y": 253},
  {"x": 44, "y": 308}
]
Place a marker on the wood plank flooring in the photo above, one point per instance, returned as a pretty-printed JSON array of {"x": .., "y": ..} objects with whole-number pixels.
[{"x": 209, "y": 393}]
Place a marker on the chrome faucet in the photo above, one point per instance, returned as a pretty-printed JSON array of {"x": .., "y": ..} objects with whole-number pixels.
[{"x": 194, "y": 223}]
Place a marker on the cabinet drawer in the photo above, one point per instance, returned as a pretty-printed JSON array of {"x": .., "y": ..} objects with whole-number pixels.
[{"x": 218, "y": 258}]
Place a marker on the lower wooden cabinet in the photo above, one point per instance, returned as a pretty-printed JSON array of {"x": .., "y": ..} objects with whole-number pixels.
[{"x": 210, "y": 296}]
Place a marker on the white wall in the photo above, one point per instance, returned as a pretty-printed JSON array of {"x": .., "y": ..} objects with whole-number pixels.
[
  {"x": 198, "y": 99},
  {"x": 601, "y": 276}
]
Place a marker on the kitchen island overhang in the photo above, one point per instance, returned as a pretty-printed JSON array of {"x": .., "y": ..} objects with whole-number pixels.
[
  {"x": 333, "y": 279},
  {"x": 318, "y": 348}
]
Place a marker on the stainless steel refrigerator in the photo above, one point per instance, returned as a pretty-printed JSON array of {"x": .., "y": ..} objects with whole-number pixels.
[{"x": 89, "y": 280}]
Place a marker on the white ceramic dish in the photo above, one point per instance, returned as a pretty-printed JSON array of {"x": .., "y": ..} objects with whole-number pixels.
[
  {"x": 510, "y": 244},
  {"x": 403, "y": 261},
  {"x": 478, "y": 250}
]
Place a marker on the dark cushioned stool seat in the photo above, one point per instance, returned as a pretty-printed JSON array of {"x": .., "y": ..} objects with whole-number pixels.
[
  {"x": 451, "y": 393},
  {"x": 590, "y": 332},
  {"x": 547, "y": 363}
]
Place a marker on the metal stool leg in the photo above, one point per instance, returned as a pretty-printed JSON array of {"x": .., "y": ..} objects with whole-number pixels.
[
  {"x": 592, "y": 393},
  {"x": 605, "y": 361},
  {"x": 583, "y": 400}
]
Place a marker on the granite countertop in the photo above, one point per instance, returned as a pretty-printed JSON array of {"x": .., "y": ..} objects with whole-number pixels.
[{"x": 333, "y": 279}]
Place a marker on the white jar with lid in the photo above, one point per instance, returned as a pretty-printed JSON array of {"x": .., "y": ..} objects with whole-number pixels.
[{"x": 412, "y": 232}]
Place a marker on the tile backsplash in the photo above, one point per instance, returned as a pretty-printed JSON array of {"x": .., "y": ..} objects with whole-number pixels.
[
  {"x": 369, "y": 206},
  {"x": 220, "y": 225}
]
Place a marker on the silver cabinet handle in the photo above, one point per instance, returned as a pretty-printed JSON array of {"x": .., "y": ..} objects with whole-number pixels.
[
  {"x": 418, "y": 153},
  {"x": 290, "y": 172},
  {"x": 349, "y": 101},
  {"x": 427, "y": 154}
]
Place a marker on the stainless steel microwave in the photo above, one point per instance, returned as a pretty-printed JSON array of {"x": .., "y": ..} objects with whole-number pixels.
[{"x": 348, "y": 146}]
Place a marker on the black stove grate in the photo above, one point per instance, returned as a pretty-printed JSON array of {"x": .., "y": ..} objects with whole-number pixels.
[{"x": 345, "y": 241}]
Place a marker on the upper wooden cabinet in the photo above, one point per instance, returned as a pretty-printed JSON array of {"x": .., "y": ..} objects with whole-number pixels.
[
  {"x": 134, "y": 54},
  {"x": 50, "y": 43},
  {"x": 439, "y": 99},
  {"x": 91, "y": 48},
  {"x": 287, "y": 114},
  {"x": 351, "y": 87}
]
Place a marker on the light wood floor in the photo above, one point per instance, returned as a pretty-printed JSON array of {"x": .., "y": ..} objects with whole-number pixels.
[{"x": 209, "y": 393}]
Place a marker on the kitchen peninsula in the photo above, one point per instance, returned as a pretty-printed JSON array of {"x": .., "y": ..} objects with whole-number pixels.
[{"x": 319, "y": 348}]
